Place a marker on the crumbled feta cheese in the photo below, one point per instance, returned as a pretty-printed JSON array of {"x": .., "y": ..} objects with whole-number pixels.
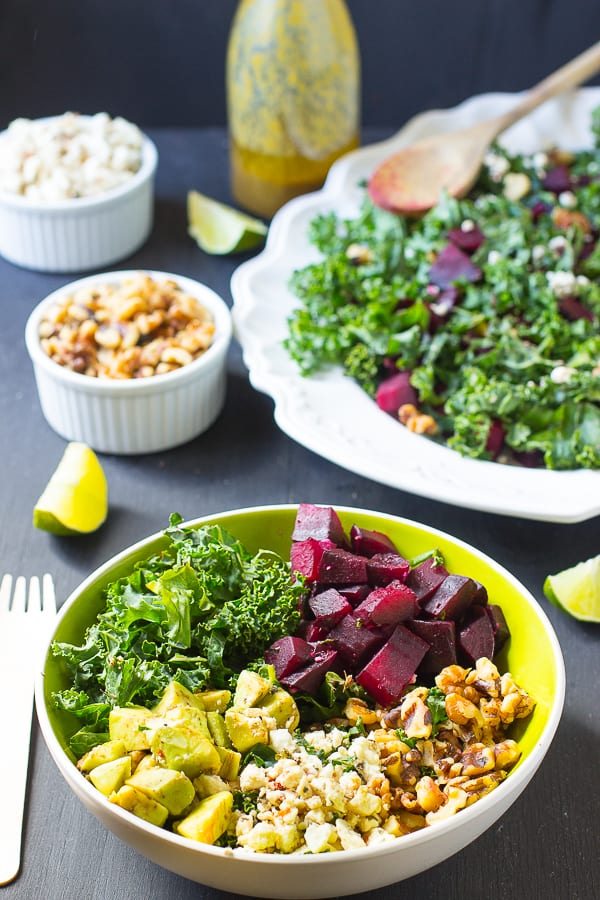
[
  {"x": 467, "y": 225},
  {"x": 494, "y": 257},
  {"x": 538, "y": 252},
  {"x": 558, "y": 244},
  {"x": 562, "y": 374},
  {"x": 497, "y": 165},
  {"x": 562, "y": 284},
  {"x": 539, "y": 162},
  {"x": 567, "y": 199}
]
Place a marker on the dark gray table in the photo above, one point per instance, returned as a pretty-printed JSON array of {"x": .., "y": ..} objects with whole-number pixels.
[{"x": 547, "y": 845}]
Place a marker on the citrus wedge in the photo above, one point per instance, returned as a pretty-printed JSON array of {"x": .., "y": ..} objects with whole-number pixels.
[
  {"x": 577, "y": 590},
  {"x": 220, "y": 229},
  {"x": 75, "y": 500}
]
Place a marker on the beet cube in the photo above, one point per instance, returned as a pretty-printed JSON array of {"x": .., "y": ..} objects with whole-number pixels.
[
  {"x": 342, "y": 567},
  {"x": 441, "y": 636},
  {"x": 368, "y": 543},
  {"x": 385, "y": 567},
  {"x": 481, "y": 594},
  {"x": 388, "y": 605},
  {"x": 495, "y": 438},
  {"x": 311, "y": 631},
  {"x": 354, "y": 641},
  {"x": 426, "y": 578},
  {"x": 452, "y": 599},
  {"x": 305, "y": 556},
  {"x": 355, "y": 593},
  {"x": 476, "y": 637},
  {"x": 469, "y": 241},
  {"x": 329, "y": 607},
  {"x": 451, "y": 265},
  {"x": 319, "y": 522},
  {"x": 557, "y": 180},
  {"x": 393, "y": 667},
  {"x": 499, "y": 626},
  {"x": 287, "y": 655},
  {"x": 394, "y": 392},
  {"x": 308, "y": 680}
]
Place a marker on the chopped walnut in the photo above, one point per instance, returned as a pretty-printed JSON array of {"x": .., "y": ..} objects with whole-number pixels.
[{"x": 415, "y": 421}]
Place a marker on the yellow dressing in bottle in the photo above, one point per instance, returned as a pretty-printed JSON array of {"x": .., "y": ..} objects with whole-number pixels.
[{"x": 293, "y": 97}]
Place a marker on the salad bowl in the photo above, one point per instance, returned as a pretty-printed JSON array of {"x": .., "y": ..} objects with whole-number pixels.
[
  {"x": 328, "y": 412},
  {"x": 541, "y": 673}
]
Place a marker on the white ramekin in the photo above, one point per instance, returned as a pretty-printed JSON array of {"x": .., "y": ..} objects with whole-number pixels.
[
  {"x": 84, "y": 233},
  {"x": 143, "y": 415}
]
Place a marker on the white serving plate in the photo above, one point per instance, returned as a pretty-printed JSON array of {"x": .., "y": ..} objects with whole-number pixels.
[{"x": 328, "y": 413}]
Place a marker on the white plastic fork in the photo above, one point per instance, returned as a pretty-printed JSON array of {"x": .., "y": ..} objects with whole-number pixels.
[{"x": 26, "y": 615}]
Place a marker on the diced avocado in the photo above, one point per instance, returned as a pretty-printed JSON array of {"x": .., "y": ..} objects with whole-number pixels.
[
  {"x": 136, "y": 757},
  {"x": 140, "y": 804},
  {"x": 230, "y": 763},
  {"x": 188, "y": 716},
  {"x": 209, "y": 784},
  {"x": 214, "y": 701},
  {"x": 146, "y": 762},
  {"x": 133, "y": 725},
  {"x": 168, "y": 787},
  {"x": 110, "y": 776},
  {"x": 208, "y": 820},
  {"x": 176, "y": 695},
  {"x": 216, "y": 726},
  {"x": 186, "y": 750},
  {"x": 251, "y": 687},
  {"x": 101, "y": 754},
  {"x": 282, "y": 707},
  {"x": 246, "y": 727}
]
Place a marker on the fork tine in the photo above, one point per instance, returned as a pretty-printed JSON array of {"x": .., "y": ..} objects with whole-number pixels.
[
  {"x": 48, "y": 595},
  {"x": 19, "y": 595},
  {"x": 5, "y": 592},
  {"x": 34, "y": 597}
]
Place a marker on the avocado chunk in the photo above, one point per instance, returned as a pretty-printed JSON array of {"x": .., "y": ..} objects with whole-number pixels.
[
  {"x": 140, "y": 804},
  {"x": 247, "y": 727},
  {"x": 168, "y": 787},
  {"x": 186, "y": 750},
  {"x": 216, "y": 726},
  {"x": 214, "y": 701},
  {"x": 207, "y": 822},
  {"x": 100, "y": 754},
  {"x": 206, "y": 785},
  {"x": 251, "y": 687},
  {"x": 188, "y": 716},
  {"x": 132, "y": 725},
  {"x": 176, "y": 695},
  {"x": 230, "y": 763},
  {"x": 110, "y": 776},
  {"x": 282, "y": 707}
]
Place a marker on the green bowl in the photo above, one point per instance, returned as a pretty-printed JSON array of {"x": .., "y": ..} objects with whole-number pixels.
[{"x": 532, "y": 655}]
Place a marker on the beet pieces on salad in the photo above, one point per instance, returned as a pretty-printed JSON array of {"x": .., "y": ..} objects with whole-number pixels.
[{"x": 374, "y": 615}]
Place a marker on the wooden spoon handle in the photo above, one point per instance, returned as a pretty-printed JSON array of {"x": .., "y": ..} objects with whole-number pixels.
[{"x": 570, "y": 75}]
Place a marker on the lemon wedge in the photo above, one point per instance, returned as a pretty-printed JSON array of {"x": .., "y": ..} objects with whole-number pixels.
[
  {"x": 221, "y": 229},
  {"x": 75, "y": 500},
  {"x": 577, "y": 590}
]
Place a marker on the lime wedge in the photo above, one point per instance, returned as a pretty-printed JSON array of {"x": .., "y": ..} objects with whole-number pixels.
[
  {"x": 221, "y": 229},
  {"x": 577, "y": 590},
  {"x": 75, "y": 500}
]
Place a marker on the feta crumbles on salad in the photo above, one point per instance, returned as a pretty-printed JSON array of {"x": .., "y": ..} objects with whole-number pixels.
[
  {"x": 69, "y": 156},
  {"x": 478, "y": 324}
]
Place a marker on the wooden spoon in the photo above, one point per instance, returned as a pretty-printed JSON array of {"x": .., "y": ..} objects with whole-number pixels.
[{"x": 411, "y": 181}]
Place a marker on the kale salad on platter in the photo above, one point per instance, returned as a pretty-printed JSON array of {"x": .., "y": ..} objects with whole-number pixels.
[{"x": 478, "y": 324}]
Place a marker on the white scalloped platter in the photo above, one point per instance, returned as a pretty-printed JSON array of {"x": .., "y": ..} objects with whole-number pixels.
[{"x": 328, "y": 413}]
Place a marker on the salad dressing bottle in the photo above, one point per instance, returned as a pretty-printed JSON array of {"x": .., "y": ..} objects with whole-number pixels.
[{"x": 293, "y": 97}]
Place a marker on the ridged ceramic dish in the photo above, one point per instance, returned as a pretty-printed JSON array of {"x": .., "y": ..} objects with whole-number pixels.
[
  {"x": 84, "y": 233},
  {"x": 141, "y": 415},
  {"x": 533, "y": 657},
  {"x": 328, "y": 412}
]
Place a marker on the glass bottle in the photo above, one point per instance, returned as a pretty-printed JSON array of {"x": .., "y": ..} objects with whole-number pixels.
[{"x": 293, "y": 97}]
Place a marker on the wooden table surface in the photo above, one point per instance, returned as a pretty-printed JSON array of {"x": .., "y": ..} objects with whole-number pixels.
[{"x": 547, "y": 845}]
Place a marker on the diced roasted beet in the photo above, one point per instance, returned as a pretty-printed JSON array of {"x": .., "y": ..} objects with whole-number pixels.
[
  {"x": 319, "y": 522},
  {"x": 305, "y": 556},
  {"x": 572, "y": 309},
  {"x": 426, "y": 578},
  {"x": 441, "y": 307},
  {"x": 452, "y": 599},
  {"x": 368, "y": 543},
  {"x": 287, "y": 655},
  {"x": 354, "y": 641},
  {"x": 394, "y": 392},
  {"x": 355, "y": 593},
  {"x": 328, "y": 607},
  {"x": 469, "y": 241},
  {"x": 308, "y": 680},
  {"x": 311, "y": 631},
  {"x": 557, "y": 180},
  {"x": 481, "y": 594},
  {"x": 441, "y": 637},
  {"x": 388, "y": 605},
  {"x": 393, "y": 666},
  {"x": 530, "y": 459},
  {"x": 495, "y": 438},
  {"x": 540, "y": 209},
  {"x": 385, "y": 567},
  {"x": 499, "y": 626},
  {"x": 342, "y": 567},
  {"x": 451, "y": 265},
  {"x": 475, "y": 637}
]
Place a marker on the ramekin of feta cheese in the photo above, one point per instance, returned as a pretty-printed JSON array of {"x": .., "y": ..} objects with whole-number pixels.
[
  {"x": 130, "y": 362},
  {"x": 76, "y": 191}
]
